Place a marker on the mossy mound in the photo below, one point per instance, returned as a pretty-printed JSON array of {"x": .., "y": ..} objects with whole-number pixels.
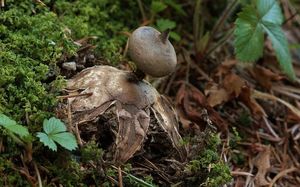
[{"x": 33, "y": 37}]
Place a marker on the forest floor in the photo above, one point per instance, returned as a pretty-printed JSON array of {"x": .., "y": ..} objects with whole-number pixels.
[{"x": 239, "y": 123}]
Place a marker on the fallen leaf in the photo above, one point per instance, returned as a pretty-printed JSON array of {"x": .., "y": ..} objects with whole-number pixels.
[
  {"x": 264, "y": 76},
  {"x": 225, "y": 67},
  {"x": 233, "y": 84},
  {"x": 193, "y": 103},
  {"x": 215, "y": 95},
  {"x": 228, "y": 89},
  {"x": 262, "y": 162},
  {"x": 247, "y": 98}
]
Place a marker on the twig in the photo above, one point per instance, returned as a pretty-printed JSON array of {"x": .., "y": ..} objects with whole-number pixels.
[
  {"x": 75, "y": 95},
  {"x": 283, "y": 91},
  {"x": 269, "y": 127},
  {"x": 120, "y": 177},
  {"x": 112, "y": 180},
  {"x": 134, "y": 178},
  {"x": 281, "y": 174},
  {"x": 142, "y": 10},
  {"x": 76, "y": 131},
  {"x": 196, "y": 19},
  {"x": 241, "y": 173},
  {"x": 230, "y": 8},
  {"x": 220, "y": 43},
  {"x": 38, "y": 174}
]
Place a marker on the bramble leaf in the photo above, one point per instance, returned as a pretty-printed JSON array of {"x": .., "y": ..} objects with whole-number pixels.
[
  {"x": 53, "y": 126},
  {"x": 252, "y": 23},
  {"x": 158, "y": 6},
  {"x": 12, "y": 126},
  {"x": 44, "y": 138},
  {"x": 164, "y": 24},
  {"x": 280, "y": 46},
  {"x": 66, "y": 140},
  {"x": 249, "y": 36},
  {"x": 55, "y": 132}
]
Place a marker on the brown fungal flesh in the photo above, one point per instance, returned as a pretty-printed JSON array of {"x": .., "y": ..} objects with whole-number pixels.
[{"x": 104, "y": 88}]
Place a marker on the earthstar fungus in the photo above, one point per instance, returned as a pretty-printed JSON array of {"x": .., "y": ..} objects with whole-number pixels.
[{"x": 136, "y": 105}]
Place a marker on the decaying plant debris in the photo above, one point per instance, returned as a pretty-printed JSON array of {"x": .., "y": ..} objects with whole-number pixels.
[{"x": 135, "y": 102}]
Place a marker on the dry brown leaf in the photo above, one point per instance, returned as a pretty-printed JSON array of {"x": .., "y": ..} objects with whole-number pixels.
[
  {"x": 230, "y": 88},
  {"x": 225, "y": 67},
  {"x": 264, "y": 76},
  {"x": 215, "y": 95},
  {"x": 262, "y": 162},
  {"x": 247, "y": 98},
  {"x": 233, "y": 84},
  {"x": 192, "y": 103}
]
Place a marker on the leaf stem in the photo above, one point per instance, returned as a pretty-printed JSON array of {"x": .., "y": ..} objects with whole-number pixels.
[
  {"x": 220, "y": 43},
  {"x": 142, "y": 10},
  {"x": 226, "y": 13}
]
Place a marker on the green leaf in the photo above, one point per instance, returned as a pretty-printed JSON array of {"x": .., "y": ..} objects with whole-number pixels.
[
  {"x": 53, "y": 126},
  {"x": 12, "y": 126},
  {"x": 44, "y": 138},
  {"x": 269, "y": 11},
  {"x": 177, "y": 7},
  {"x": 249, "y": 36},
  {"x": 252, "y": 23},
  {"x": 158, "y": 6},
  {"x": 280, "y": 46},
  {"x": 55, "y": 132},
  {"x": 164, "y": 24},
  {"x": 175, "y": 36},
  {"x": 66, "y": 140}
]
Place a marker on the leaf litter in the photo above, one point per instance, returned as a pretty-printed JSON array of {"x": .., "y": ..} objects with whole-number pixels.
[{"x": 258, "y": 101}]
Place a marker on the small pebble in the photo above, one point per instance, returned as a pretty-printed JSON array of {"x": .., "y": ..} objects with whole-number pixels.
[{"x": 71, "y": 66}]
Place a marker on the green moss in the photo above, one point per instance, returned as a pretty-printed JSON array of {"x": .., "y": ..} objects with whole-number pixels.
[
  {"x": 68, "y": 173},
  {"x": 34, "y": 37},
  {"x": 207, "y": 168},
  {"x": 31, "y": 39},
  {"x": 8, "y": 175},
  {"x": 104, "y": 19},
  {"x": 91, "y": 152}
]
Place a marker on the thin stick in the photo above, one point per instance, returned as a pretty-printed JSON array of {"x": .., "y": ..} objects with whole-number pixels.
[
  {"x": 38, "y": 174},
  {"x": 142, "y": 10},
  {"x": 220, "y": 43},
  {"x": 281, "y": 174},
  {"x": 241, "y": 173},
  {"x": 120, "y": 177},
  {"x": 269, "y": 127},
  {"x": 76, "y": 95},
  {"x": 230, "y": 8}
]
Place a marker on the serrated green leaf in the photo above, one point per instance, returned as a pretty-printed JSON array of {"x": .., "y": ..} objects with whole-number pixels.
[
  {"x": 66, "y": 140},
  {"x": 251, "y": 25},
  {"x": 12, "y": 126},
  {"x": 158, "y": 6},
  {"x": 280, "y": 46},
  {"x": 44, "y": 138},
  {"x": 175, "y": 36},
  {"x": 55, "y": 132},
  {"x": 177, "y": 7},
  {"x": 164, "y": 24},
  {"x": 249, "y": 36},
  {"x": 53, "y": 126},
  {"x": 269, "y": 11}
]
